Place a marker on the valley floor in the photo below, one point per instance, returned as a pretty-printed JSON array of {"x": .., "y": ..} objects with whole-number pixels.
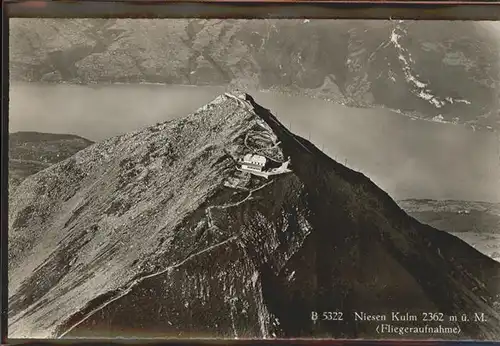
[{"x": 487, "y": 243}]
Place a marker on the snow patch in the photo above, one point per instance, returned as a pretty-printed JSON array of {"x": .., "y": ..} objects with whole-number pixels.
[
  {"x": 395, "y": 37},
  {"x": 419, "y": 88},
  {"x": 438, "y": 118},
  {"x": 424, "y": 94},
  {"x": 415, "y": 81},
  {"x": 401, "y": 56},
  {"x": 254, "y": 278}
]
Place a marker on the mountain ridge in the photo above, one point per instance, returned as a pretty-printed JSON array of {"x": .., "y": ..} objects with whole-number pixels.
[{"x": 165, "y": 205}]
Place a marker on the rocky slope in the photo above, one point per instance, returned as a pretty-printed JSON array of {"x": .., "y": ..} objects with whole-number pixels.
[
  {"x": 30, "y": 152},
  {"x": 157, "y": 233},
  {"x": 440, "y": 71}
]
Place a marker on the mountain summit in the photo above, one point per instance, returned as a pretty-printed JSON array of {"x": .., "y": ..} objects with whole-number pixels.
[{"x": 226, "y": 224}]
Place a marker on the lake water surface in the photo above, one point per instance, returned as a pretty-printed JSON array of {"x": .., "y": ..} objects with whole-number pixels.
[{"x": 407, "y": 158}]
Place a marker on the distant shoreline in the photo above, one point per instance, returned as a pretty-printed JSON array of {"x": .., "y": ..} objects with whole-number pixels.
[{"x": 103, "y": 84}]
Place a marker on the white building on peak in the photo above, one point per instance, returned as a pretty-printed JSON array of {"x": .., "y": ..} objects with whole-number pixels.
[
  {"x": 260, "y": 166},
  {"x": 253, "y": 162}
]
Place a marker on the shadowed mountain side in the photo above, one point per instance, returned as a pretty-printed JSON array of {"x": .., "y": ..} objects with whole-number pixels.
[{"x": 157, "y": 233}]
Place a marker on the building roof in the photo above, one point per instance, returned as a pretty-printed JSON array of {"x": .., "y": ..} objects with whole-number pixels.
[
  {"x": 255, "y": 159},
  {"x": 247, "y": 158}
]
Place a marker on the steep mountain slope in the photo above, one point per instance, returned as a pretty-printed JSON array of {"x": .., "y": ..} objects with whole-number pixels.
[
  {"x": 30, "y": 152},
  {"x": 157, "y": 233},
  {"x": 440, "y": 71}
]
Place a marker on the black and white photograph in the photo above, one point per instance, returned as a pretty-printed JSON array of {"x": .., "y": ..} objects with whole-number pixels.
[{"x": 254, "y": 179}]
